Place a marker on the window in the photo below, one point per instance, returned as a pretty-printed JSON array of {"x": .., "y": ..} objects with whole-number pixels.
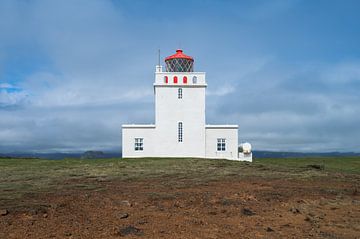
[
  {"x": 180, "y": 132},
  {"x": 166, "y": 79},
  {"x": 180, "y": 93},
  {"x": 194, "y": 79},
  {"x": 139, "y": 144},
  {"x": 185, "y": 80},
  {"x": 175, "y": 79},
  {"x": 221, "y": 145}
]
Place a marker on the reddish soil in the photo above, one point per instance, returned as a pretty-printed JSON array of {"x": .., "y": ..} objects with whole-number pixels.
[{"x": 168, "y": 208}]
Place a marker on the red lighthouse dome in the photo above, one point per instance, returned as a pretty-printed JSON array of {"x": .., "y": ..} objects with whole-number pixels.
[{"x": 179, "y": 62}]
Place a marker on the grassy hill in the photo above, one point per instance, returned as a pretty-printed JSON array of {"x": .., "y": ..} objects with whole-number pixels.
[{"x": 23, "y": 176}]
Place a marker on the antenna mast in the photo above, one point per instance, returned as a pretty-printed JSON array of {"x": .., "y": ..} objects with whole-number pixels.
[{"x": 158, "y": 57}]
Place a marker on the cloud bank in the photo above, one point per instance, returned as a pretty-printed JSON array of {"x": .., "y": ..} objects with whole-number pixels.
[{"x": 71, "y": 72}]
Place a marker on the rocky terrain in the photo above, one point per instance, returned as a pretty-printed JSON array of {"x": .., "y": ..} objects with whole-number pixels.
[{"x": 262, "y": 202}]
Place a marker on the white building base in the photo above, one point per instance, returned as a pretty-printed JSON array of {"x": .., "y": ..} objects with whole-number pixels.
[{"x": 245, "y": 157}]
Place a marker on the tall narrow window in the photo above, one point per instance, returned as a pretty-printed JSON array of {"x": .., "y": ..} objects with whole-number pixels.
[
  {"x": 180, "y": 93},
  {"x": 221, "y": 145},
  {"x": 175, "y": 79},
  {"x": 194, "y": 80},
  {"x": 180, "y": 132},
  {"x": 139, "y": 144},
  {"x": 185, "y": 80},
  {"x": 166, "y": 79}
]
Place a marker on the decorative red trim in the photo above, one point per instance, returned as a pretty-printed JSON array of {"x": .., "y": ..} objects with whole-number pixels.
[
  {"x": 166, "y": 79},
  {"x": 179, "y": 54},
  {"x": 175, "y": 79},
  {"x": 185, "y": 80}
]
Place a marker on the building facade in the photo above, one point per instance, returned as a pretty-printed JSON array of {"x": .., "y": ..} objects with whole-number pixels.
[{"x": 180, "y": 129}]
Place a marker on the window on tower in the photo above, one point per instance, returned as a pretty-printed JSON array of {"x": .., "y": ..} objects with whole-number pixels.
[
  {"x": 194, "y": 80},
  {"x": 175, "y": 79},
  {"x": 185, "y": 80},
  {"x": 139, "y": 144},
  {"x": 221, "y": 145},
  {"x": 180, "y": 93},
  {"x": 180, "y": 132},
  {"x": 166, "y": 79}
]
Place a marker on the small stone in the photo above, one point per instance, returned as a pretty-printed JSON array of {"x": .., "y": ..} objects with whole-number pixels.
[
  {"x": 316, "y": 166},
  {"x": 45, "y": 215},
  {"x": 307, "y": 218},
  {"x": 248, "y": 212},
  {"x": 126, "y": 203},
  {"x": 129, "y": 230},
  {"x": 294, "y": 210},
  {"x": 269, "y": 229},
  {"x": 4, "y": 212},
  {"x": 142, "y": 221},
  {"x": 123, "y": 215}
]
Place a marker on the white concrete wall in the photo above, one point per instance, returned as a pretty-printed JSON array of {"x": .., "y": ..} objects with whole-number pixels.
[
  {"x": 172, "y": 148},
  {"x": 130, "y": 132},
  {"x": 230, "y": 133},
  {"x": 170, "y": 110}
]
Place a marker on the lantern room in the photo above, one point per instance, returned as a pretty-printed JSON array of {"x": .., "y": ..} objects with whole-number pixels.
[{"x": 179, "y": 62}]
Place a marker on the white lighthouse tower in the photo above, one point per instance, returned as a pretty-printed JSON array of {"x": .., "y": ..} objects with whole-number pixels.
[{"x": 180, "y": 129}]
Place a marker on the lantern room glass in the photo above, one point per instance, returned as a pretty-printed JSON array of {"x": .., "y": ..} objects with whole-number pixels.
[{"x": 179, "y": 65}]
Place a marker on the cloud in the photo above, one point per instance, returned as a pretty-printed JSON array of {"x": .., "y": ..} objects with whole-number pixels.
[
  {"x": 300, "y": 109},
  {"x": 72, "y": 72},
  {"x": 222, "y": 91},
  {"x": 4, "y": 86},
  {"x": 12, "y": 97}
]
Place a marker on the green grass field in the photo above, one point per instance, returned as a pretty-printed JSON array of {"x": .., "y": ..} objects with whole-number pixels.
[
  {"x": 335, "y": 164},
  {"x": 23, "y": 176}
]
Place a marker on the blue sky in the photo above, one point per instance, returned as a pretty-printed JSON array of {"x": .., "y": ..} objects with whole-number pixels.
[{"x": 71, "y": 72}]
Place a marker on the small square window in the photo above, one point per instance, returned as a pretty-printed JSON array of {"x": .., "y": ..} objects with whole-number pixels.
[
  {"x": 139, "y": 144},
  {"x": 221, "y": 144}
]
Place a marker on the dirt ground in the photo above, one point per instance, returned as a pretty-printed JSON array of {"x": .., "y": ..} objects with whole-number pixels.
[{"x": 325, "y": 207}]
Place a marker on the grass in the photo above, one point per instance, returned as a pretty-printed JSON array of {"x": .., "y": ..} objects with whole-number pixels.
[
  {"x": 330, "y": 164},
  {"x": 22, "y": 176}
]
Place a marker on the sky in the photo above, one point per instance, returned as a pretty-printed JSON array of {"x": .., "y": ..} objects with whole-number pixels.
[{"x": 287, "y": 72}]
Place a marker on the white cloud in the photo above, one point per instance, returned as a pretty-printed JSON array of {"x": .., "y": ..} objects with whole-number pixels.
[
  {"x": 12, "y": 98},
  {"x": 221, "y": 91},
  {"x": 91, "y": 69},
  {"x": 6, "y": 86},
  {"x": 345, "y": 72}
]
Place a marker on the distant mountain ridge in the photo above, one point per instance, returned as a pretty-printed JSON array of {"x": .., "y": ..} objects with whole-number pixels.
[
  {"x": 256, "y": 154},
  {"x": 84, "y": 155}
]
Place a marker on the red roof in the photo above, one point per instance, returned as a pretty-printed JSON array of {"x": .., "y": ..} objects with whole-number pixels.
[{"x": 179, "y": 54}]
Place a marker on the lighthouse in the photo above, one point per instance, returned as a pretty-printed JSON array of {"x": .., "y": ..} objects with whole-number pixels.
[{"x": 180, "y": 128}]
